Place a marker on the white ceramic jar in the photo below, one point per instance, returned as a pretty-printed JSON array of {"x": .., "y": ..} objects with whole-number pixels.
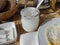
[{"x": 30, "y": 19}]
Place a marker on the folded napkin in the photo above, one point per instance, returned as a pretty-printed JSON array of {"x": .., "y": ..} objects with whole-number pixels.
[{"x": 29, "y": 39}]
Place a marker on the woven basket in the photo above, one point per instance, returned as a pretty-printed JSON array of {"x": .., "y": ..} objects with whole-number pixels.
[{"x": 12, "y": 9}]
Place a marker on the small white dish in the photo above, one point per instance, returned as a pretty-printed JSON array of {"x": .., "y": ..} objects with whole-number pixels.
[
  {"x": 29, "y": 39},
  {"x": 12, "y": 34}
]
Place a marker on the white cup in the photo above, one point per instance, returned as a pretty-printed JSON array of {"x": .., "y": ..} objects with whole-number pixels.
[{"x": 30, "y": 19}]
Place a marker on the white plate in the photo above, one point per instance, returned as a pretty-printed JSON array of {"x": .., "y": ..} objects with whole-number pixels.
[
  {"x": 12, "y": 33},
  {"x": 42, "y": 32}
]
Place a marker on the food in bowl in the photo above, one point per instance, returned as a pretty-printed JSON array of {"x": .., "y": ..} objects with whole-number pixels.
[{"x": 53, "y": 34}]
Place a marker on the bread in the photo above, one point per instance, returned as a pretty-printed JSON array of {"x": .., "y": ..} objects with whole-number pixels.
[{"x": 2, "y": 4}]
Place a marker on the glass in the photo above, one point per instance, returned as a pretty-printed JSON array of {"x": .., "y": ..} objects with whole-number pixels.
[{"x": 30, "y": 19}]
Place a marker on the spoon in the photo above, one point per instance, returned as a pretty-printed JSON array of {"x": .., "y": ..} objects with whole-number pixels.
[{"x": 39, "y": 4}]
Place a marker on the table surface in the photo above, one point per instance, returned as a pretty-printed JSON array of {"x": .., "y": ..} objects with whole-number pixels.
[{"x": 44, "y": 15}]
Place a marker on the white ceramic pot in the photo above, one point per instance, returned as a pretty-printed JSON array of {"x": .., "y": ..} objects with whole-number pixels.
[{"x": 30, "y": 19}]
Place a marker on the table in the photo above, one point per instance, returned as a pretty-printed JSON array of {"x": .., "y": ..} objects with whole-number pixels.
[{"x": 44, "y": 15}]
